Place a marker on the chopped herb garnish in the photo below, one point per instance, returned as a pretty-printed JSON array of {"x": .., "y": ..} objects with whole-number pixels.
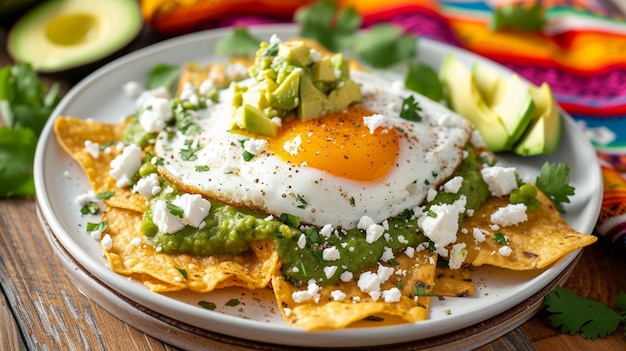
[
  {"x": 202, "y": 168},
  {"x": 352, "y": 201},
  {"x": 105, "y": 195},
  {"x": 393, "y": 262},
  {"x": 207, "y": 305},
  {"x": 431, "y": 213},
  {"x": 399, "y": 283},
  {"x": 90, "y": 208},
  {"x": 247, "y": 156},
  {"x": 183, "y": 272},
  {"x": 175, "y": 210},
  {"x": 410, "y": 109},
  {"x": 553, "y": 181},
  {"x": 189, "y": 152},
  {"x": 421, "y": 291},
  {"x": 291, "y": 220},
  {"x": 447, "y": 312},
  {"x": 92, "y": 227},
  {"x": 157, "y": 161},
  {"x": 232, "y": 302},
  {"x": 301, "y": 201},
  {"x": 424, "y": 79},
  {"x": 500, "y": 239}
]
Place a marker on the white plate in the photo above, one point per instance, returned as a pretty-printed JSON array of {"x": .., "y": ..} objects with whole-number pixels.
[{"x": 58, "y": 180}]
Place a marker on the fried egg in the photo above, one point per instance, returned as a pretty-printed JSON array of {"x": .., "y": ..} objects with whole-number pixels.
[{"x": 335, "y": 169}]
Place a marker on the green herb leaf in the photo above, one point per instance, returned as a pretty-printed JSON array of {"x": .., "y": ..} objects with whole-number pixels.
[
  {"x": 105, "y": 195},
  {"x": 163, "y": 75},
  {"x": 232, "y": 302},
  {"x": 519, "y": 17},
  {"x": 202, "y": 168},
  {"x": 247, "y": 156},
  {"x": 574, "y": 314},
  {"x": 207, "y": 305},
  {"x": 183, "y": 272},
  {"x": 384, "y": 45},
  {"x": 175, "y": 210},
  {"x": 323, "y": 22},
  {"x": 17, "y": 154},
  {"x": 92, "y": 227},
  {"x": 424, "y": 79},
  {"x": 500, "y": 239},
  {"x": 239, "y": 43},
  {"x": 553, "y": 181},
  {"x": 90, "y": 208},
  {"x": 291, "y": 220},
  {"x": 410, "y": 109},
  {"x": 421, "y": 291}
]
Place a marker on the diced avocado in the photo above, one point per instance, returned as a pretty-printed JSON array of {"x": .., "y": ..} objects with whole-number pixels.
[
  {"x": 466, "y": 100},
  {"x": 544, "y": 133},
  {"x": 514, "y": 105},
  {"x": 286, "y": 95},
  {"x": 313, "y": 103},
  {"x": 256, "y": 98},
  {"x": 345, "y": 95},
  {"x": 295, "y": 52},
  {"x": 341, "y": 65},
  {"x": 323, "y": 70},
  {"x": 252, "y": 119}
]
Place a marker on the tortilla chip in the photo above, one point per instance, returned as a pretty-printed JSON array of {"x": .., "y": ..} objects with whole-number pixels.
[
  {"x": 453, "y": 282},
  {"x": 536, "y": 243},
  {"x": 72, "y": 133},
  {"x": 132, "y": 255},
  {"x": 325, "y": 313}
]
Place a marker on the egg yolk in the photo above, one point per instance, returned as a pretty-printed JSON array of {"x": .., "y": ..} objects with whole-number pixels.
[{"x": 339, "y": 144}]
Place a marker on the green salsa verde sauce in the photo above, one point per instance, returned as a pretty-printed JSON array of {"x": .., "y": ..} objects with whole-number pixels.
[{"x": 230, "y": 230}]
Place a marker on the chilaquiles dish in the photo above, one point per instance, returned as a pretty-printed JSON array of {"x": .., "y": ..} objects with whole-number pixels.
[{"x": 301, "y": 172}]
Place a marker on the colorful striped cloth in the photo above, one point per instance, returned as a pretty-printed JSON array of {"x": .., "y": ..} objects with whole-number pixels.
[{"x": 580, "y": 52}]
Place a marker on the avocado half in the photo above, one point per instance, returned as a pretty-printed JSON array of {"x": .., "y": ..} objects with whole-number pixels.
[{"x": 62, "y": 34}]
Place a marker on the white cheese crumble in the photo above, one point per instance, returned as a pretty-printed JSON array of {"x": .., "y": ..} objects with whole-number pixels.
[
  {"x": 392, "y": 295},
  {"x": 87, "y": 198},
  {"x": 148, "y": 186},
  {"x": 327, "y": 230},
  {"x": 441, "y": 223},
  {"x": 195, "y": 208},
  {"x": 338, "y": 295},
  {"x": 387, "y": 254},
  {"x": 315, "y": 55},
  {"x": 511, "y": 214},
  {"x": 293, "y": 146},
  {"x": 254, "y": 146},
  {"x": 132, "y": 89},
  {"x": 312, "y": 292},
  {"x": 458, "y": 253},
  {"x": 376, "y": 121},
  {"x": 505, "y": 250},
  {"x": 453, "y": 185},
  {"x": 155, "y": 113},
  {"x": 302, "y": 241},
  {"x": 501, "y": 180},
  {"x": 135, "y": 242},
  {"x": 373, "y": 233},
  {"x": 92, "y": 148},
  {"x": 330, "y": 271},
  {"x": 331, "y": 254},
  {"x": 125, "y": 165},
  {"x": 479, "y": 235},
  {"x": 164, "y": 219},
  {"x": 346, "y": 276},
  {"x": 107, "y": 242}
]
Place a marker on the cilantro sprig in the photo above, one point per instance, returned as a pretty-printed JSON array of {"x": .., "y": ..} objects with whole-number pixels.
[
  {"x": 553, "y": 181},
  {"x": 519, "y": 17},
  {"x": 574, "y": 314},
  {"x": 25, "y": 105}
]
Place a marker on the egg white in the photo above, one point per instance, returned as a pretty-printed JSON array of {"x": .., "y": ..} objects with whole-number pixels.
[{"x": 429, "y": 153}]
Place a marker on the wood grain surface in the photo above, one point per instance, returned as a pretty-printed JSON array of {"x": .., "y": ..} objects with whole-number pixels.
[{"x": 40, "y": 309}]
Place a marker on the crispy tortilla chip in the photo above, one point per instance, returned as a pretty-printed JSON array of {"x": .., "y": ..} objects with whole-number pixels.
[
  {"x": 453, "y": 282},
  {"x": 326, "y": 313},
  {"x": 131, "y": 255},
  {"x": 536, "y": 243},
  {"x": 72, "y": 133}
]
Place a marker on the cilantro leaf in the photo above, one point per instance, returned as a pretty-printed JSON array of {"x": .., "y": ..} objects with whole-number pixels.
[
  {"x": 410, "y": 109},
  {"x": 553, "y": 181},
  {"x": 163, "y": 75},
  {"x": 17, "y": 153},
  {"x": 239, "y": 43},
  {"x": 424, "y": 79},
  {"x": 518, "y": 17},
  {"x": 323, "y": 22},
  {"x": 385, "y": 45},
  {"x": 573, "y": 314}
]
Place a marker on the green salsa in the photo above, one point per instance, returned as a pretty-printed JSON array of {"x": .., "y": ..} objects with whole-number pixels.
[{"x": 230, "y": 230}]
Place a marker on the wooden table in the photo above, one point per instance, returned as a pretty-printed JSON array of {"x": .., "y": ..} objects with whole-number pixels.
[{"x": 40, "y": 308}]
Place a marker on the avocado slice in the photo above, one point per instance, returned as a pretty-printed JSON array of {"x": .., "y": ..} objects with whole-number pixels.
[
  {"x": 286, "y": 95},
  {"x": 252, "y": 119},
  {"x": 514, "y": 105},
  {"x": 465, "y": 99},
  {"x": 313, "y": 103},
  {"x": 544, "y": 133},
  {"x": 341, "y": 97},
  {"x": 59, "y": 35}
]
